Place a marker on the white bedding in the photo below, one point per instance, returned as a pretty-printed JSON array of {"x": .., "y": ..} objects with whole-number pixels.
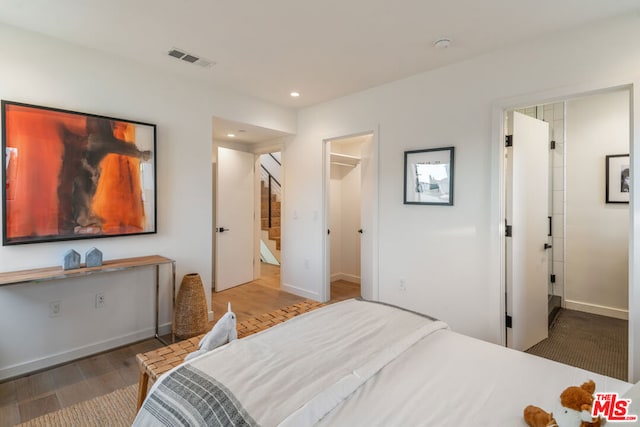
[{"x": 358, "y": 363}]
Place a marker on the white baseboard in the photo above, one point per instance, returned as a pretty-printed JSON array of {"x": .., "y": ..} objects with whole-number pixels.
[
  {"x": 80, "y": 352},
  {"x": 597, "y": 309},
  {"x": 300, "y": 292},
  {"x": 346, "y": 277}
]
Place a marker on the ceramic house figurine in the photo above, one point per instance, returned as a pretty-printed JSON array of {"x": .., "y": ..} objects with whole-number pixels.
[
  {"x": 71, "y": 260},
  {"x": 94, "y": 258}
]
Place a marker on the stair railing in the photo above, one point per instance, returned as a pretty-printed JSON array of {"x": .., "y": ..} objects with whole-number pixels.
[{"x": 274, "y": 189}]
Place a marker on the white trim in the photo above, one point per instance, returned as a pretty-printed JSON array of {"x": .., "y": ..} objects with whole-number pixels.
[
  {"x": 617, "y": 313},
  {"x": 300, "y": 291},
  {"x": 346, "y": 277},
  {"x": 79, "y": 352}
]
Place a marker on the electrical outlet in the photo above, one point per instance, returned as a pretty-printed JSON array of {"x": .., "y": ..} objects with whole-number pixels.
[
  {"x": 100, "y": 300},
  {"x": 403, "y": 285},
  {"x": 55, "y": 308}
]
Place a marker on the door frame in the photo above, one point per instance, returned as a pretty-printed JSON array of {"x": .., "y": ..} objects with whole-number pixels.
[
  {"x": 325, "y": 290},
  {"x": 257, "y": 150},
  {"x": 499, "y": 109}
]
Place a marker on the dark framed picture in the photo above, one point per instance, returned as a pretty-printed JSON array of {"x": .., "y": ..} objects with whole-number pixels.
[
  {"x": 69, "y": 175},
  {"x": 618, "y": 179},
  {"x": 428, "y": 176}
]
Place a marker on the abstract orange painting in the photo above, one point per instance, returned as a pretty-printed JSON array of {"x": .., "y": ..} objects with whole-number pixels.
[{"x": 69, "y": 175}]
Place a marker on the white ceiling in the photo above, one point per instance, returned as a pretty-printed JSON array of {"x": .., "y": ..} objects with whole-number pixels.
[
  {"x": 323, "y": 49},
  {"x": 244, "y": 133}
]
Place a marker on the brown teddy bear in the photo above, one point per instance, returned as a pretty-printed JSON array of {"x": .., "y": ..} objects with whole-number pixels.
[{"x": 574, "y": 410}]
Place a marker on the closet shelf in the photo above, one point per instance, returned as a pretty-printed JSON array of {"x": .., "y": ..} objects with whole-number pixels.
[{"x": 344, "y": 160}]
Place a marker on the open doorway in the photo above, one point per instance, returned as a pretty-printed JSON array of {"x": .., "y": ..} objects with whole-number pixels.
[
  {"x": 588, "y": 236},
  {"x": 345, "y": 217},
  {"x": 237, "y": 183},
  {"x": 349, "y": 193},
  {"x": 270, "y": 218}
]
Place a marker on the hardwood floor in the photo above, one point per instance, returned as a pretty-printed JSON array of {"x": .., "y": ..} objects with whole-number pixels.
[
  {"x": 46, "y": 391},
  {"x": 36, "y": 394}
]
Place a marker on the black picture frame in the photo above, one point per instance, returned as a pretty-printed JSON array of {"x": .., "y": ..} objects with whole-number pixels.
[
  {"x": 618, "y": 182},
  {"x": 68, "y": 175},
  {"x": 429, "y": 176}
]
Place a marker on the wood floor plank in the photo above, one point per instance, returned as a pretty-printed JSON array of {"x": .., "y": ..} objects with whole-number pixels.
[
  {"x": 42, "y": 383},
  {"x": 95, "y": 365},
  {"x": 9, "y": 415},
  {"x": 23, "y": 389},
  {"x": 36, "y": 407},
  {"x": 68, "y": 374},
  {"x": 8, "y": 393},
  {"x": 75, "y": 393},
  {"x": 106, "y": 383}
]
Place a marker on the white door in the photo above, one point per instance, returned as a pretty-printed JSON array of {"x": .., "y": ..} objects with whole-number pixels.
[
  {"x": 367, "y": 165},
  {"x": 527, "y": 199},
  {"x": 234, "y": 218}
]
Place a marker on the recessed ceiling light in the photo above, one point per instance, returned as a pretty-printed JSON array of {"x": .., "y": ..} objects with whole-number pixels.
[
  {"x": 231, "y": 135},
  {"x": 295, "y": 94},
  {"x": 442, "y": 43}
]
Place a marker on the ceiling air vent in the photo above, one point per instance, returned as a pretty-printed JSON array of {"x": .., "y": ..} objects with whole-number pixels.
[{"x": 190, "y": 58}]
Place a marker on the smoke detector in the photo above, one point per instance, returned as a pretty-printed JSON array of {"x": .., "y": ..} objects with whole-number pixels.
[
  {"x": 190, "y": 58},
  {"x": 442, "y": 43}
]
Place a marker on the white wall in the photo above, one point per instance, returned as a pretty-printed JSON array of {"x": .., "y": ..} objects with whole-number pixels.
[
  {"x": 335, "y": 222},
  {"x": 449, "y": 256},
  {"x": 597, "y": 239},
  {"x": 344, "y": 208},
  {"x": 351, "y": 184},
  {"x": 48, "y": 72}
]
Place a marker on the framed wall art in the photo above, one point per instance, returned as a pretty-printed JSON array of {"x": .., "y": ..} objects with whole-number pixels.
[
  {"x": 428, "y": 176},
  {"x": 69, "y": 175},
  {"x": 617, "y": 178}
]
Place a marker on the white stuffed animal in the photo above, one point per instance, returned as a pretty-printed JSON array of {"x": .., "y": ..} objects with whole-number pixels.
[{"x": 223, "y": 332}]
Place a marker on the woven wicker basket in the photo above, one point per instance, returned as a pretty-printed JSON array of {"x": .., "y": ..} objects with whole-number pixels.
[{"x": 190, "y": 313}]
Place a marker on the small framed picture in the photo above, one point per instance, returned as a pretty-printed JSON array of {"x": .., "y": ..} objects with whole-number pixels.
[
  {"x": 618, "y": 179},
  {"x": 428, "y": 176}
]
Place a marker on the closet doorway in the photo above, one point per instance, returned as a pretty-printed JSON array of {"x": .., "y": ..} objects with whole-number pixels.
[{"x": 349, "y": 189}]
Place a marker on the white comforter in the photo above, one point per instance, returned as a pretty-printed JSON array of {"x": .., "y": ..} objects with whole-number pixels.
[{"x": 358, "y": 363}]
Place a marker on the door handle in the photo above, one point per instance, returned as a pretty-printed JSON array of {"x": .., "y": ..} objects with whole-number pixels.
[
  {"x": 547, "y": 246},
  {"x": 222, "y": 229},
  {"x": 360, "y": 231}
]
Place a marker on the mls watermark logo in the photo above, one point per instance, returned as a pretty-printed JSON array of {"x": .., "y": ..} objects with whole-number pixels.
[{"x": 612, "y": 408}]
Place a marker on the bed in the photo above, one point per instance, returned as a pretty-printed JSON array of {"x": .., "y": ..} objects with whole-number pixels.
[{"x": 360, "y": 363}]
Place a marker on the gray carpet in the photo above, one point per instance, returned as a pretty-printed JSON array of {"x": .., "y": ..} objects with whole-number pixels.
[{"x": 588, "y": 341}]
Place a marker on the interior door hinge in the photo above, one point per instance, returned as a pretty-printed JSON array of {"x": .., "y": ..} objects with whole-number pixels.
[
  {"x": 553, "y": 278},
  {"x": 508, "y": 321},
  {"x": 508, "y": 231},
  {"x": 508, "y": 141},
  {"x": 553, "y": 145}
]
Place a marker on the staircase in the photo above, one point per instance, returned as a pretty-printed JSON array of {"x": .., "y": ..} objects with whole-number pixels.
[{"x": 273, "y": 229}]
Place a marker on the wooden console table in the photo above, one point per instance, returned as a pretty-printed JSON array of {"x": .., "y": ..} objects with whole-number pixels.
[{"x": 56, "y": 273}]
